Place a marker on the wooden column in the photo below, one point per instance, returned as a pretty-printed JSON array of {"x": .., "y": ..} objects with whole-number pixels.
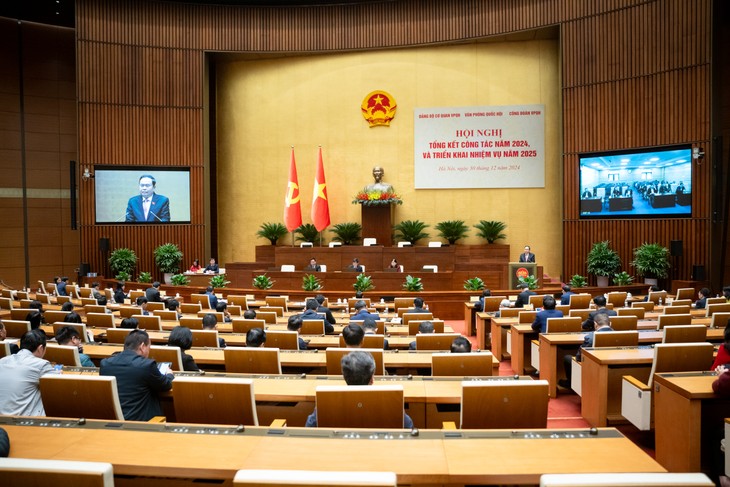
[{"x": 377, "y": 222}]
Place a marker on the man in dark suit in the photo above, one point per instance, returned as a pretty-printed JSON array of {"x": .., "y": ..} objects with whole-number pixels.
[
  {"x": 294, "y": 323},
  {"x": 148, "y": 206},
  {"x": 527, "y": 256},
  {"x": 313, "y": 266},
  {"x": 524, "y": 297},
  {"x": 355, "y": 266},
  {"x": 479, "y": 305},
  {"x": 567, "y": 293},
  {"x": 212, "y": 298},
  {"x": 549, "y": 311},
  {"x": 61, "y": 286},
  {"x": 138, "y": 379},
  {"x": 417, "y": 306},
  {"x": 322, "y": 309},
  {"x": 361, "y": 312},
  {"x": 310, "y": 313},
  {"x": 600, "y": 324},
  {"x": 153, "y": 293},
  {"x": 212, "y": 267},
  {"x": 600, "y": 302}
]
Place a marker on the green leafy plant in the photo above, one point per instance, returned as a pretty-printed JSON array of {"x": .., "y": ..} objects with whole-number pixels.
[
  {"x": 122, "y": 262},
  {"x": 263, "y": 282},
  {"x": 474, "y": 284},
  {"x": 219, "y": 281},
  {"x": 491, "y": 230},
  {"x": 363, "y": 283},
  {"x": 622, "y": 279},
  {"x": 452, "y": 230},
  {"x": 310, "y": 282},
  {"x": 602, "y": 260},
  {"x": 179, "y": 280},
  {"x": 578, "y": 281},
  {"x": 411, "y": 231},
  {"x": 530, "y": 280},
  {"x": 348, "y": 233},
  {"x": 272, "y": 231},
  {"x": 144, "y": 277},
  {"x": 651, "y": 260},
  {"x": 307, "y": 233},
  {"x": 123, "y": 276},
  {"x": 168, "y": 258},
  {"x": 413, "y": 284}
]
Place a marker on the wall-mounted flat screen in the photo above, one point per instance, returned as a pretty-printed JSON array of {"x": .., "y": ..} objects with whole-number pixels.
[
  {"x": 134, "y": 195},
  {"x": 651, "y": 183}
]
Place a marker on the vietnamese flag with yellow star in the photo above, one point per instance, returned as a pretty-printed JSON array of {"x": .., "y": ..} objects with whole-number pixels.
[
  {"x": 292, "y": 208},
  {"x": 320, "y": 203}
]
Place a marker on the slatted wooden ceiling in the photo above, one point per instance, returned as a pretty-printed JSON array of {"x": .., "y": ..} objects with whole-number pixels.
[{"x": 634, "y": 74}]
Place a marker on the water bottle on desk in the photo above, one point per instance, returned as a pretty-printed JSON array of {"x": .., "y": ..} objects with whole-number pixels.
[{"x": 660, "y": 301}]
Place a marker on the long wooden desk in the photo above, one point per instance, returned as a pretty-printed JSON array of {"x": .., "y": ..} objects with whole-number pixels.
[
  {"x": 602, "y": 371},
  {"x": 520, "y": 354},
  {"x": 688, "y": 419},
  {"x": 198, "y": 453},
  {"x": 553, "y": 346},
  {"x": 292, "y": 359}
]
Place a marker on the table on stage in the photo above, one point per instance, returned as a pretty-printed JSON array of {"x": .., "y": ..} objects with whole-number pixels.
[
  {"x": 602, "y": 371},
  {"x": 688, "y": 418},
  {"x": 197, "y": 453}
]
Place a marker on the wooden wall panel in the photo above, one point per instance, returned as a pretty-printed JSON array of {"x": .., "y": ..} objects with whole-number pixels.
[{"x": 635, "y": 73}]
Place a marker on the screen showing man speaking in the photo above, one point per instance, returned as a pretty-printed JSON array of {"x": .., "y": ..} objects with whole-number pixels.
[{"x": 142, "y": 195}]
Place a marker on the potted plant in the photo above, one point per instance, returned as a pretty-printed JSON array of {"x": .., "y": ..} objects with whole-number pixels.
[
  {"x": 603, "y": 262},
  {"x": 452, "y": 230},
  {"x": 491, "y": 230},
  {"x": 622, "y": 279},
  {"x": 411, "y": 231},
  {"x": 307, "y": 233},
  {"x": 310, "y": 282},
  {"x": 122, "y": 262},
  {"x": 179, "y": 280},
  {"x": 168, "y": 258},
  {"x": 262, "y": 282},
  {"x": 272, "y": 231},
  {"x": 144, "y": 277},
  {"x": 474, "y": 284},
  {"x": 219, "y": 281},
  {"x": 363, "y": 283},
  {"x": 348, "y": 233},
  {"x": 578, "y": 281},
  {"x": 651, "y": 261},
  {"x": 413, "y": 284},
  {"x": 530, "y": 280}
]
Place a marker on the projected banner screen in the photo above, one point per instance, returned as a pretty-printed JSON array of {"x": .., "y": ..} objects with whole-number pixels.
[
  {"x": 479, "y": 147},
  {"x": 136, "y": 195}
]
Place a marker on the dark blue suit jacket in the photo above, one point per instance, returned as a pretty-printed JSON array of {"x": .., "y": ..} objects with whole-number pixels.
[
  {"x": 159, "y": 209},
  {"x": 540, "y": 323},
  {"x": 363, "y": 313},
  {"x": 138, "y": 382}
]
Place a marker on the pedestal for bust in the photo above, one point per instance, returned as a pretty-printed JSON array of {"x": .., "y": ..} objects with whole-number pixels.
[{"x": 377, "y": 222}]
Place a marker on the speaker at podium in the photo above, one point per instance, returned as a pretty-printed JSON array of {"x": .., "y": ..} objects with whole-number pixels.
[{"x": 520, "y": 269}]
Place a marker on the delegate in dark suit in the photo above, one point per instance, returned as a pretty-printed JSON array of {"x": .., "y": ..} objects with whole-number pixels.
[
  {"x": 363, "y": 313},
  {"x": 524, "y": 298},
  {"x": 313, "y": 315},
  {"x": 159, "y": 209},
  {"x": 528, "y": 257},
  {"x": 153, "y": 295},
  {"x": 540, "y": 323},
  {"x": 138, "y": 383}
]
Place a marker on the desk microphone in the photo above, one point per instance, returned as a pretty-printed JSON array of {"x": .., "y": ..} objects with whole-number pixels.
[{"x": 155, "y": 215}]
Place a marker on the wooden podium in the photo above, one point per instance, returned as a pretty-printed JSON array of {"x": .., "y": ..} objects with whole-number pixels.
[
  {"x": 518, "y": 269},
  {"x": 377, "y": 222}
]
